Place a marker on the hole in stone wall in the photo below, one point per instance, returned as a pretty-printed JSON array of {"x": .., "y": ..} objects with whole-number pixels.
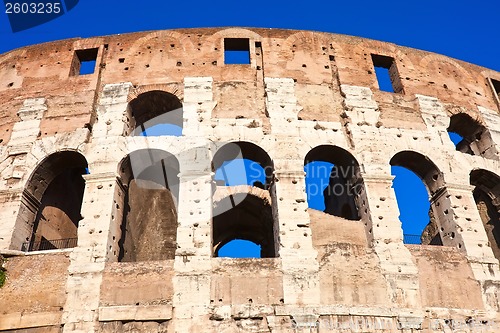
[
  {"x": 416, "y": 177},
  {"x": 149, "y": 221},
  {"x": 237, "y": 51},
  {"x": 470, "y": 136},
  {"x": 495, "y": 84},
  {"x": 332, "y": 180},
  {"x": 84, "y": 61},
  {"x": 156, "y": 113},
  {"x": 54, "y": 194},
  {"x": 486, "y": 194},
  {"x": 243, "y": 201},
  {"x": 387, "y": 74}
]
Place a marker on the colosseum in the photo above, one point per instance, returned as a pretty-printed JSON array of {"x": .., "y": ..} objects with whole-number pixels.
[{"x": 105, "y": 228}]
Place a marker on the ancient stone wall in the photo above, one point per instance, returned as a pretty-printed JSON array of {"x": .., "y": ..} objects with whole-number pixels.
[{"x": 146, "y": 257}]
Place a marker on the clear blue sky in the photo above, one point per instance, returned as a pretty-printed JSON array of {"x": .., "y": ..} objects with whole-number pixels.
[
  {"x": 461, "y": 29},
  {"x": 465, "y": 30}
]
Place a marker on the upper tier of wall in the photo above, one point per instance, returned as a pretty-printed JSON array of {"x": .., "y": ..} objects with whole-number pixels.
[{"x": 317, "y": 61}]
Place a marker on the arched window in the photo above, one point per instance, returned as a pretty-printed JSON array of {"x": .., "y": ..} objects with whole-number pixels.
[
  {"x": 486, "y": 195},
  {"x": 52, "y": 200},
  {"x": 416, "y": 180},
  {"x": 333, "y": 182},
  {"x": 156, "y": 113},
  {"x": 243, "y": 202},
  {"x": 470, "y": 136},
  {"x": 149, "y": 226}
]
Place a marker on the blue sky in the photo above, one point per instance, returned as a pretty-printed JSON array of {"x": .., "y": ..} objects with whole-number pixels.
[
  {"x": 465, "y": 30},
  {"x": 461, "y": 29}
]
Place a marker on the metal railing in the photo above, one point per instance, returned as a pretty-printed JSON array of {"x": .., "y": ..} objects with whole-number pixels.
[
  {"x": 45, "y": 244},
  {"x": 411, "y": 239}
]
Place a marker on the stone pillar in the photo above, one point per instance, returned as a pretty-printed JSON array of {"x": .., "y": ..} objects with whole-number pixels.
[
  {"x": 299, "y": 258},
  {"x": 192, "y": 261},
  {"x": 468, "y": 234},
  {"x": 194, "y": 246},
  {"x": 492, "y": 123},
  {"x": 97, "y": 240},
  {"x": 102, "y": 210},
  {"x": 195, "y": 204},
  {"x": 384, "y": 228},
  {"x": 24, "y": 134},
  {"x": 10, "y": 204},
  {"x": 197, "y": 106}
]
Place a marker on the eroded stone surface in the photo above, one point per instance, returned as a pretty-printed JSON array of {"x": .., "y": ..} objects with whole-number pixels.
[{"x": 301, "y": 90}]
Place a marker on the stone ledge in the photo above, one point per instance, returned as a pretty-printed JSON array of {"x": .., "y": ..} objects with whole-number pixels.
[
  {"x": 19, "y": 320},
  {"x": 12, "y": 253},
  {"x": 138, "y": 313}
]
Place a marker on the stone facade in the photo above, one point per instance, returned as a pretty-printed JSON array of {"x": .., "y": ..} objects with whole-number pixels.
[{"x": 71, "y": 163}]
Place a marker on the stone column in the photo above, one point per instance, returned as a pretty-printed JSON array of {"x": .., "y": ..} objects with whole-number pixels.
[
  {"x": 383, "y": 226},
  {"x": 386, "y": 233},
  {"x": 492, "y": 122},
  {"x": 14, "y": 230},
  {"x": 102, "y": 210},
  {"x": 10, "y": 205},
  {"x": 97, "y": 241},
  {"x": 192, "y": 260},
  {"x": 468, "y": 234},
  {"x": 299, "y": 258},
  {"x": 194, "y": 245}
]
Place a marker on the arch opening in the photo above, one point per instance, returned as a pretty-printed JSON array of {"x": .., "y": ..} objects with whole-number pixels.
[
  {"x": 486, "y": 195},
  {"x": 469, "y": 136},
  {"x": 333, "y": 182},
  {"x": 247, "y": 217},
  {"x": 418, "y": 185},
  {"x": 51, "y": 203},
  {"x": 151, "y": 190},
  {"x": 244, "y": 197},
  {"x": 156, "y": 113}
]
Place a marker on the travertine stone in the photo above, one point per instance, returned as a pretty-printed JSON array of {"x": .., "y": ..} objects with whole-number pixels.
[{"x": 301, "y": 90}]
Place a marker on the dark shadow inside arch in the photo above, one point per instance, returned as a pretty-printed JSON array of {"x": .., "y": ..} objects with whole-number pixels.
[
  {"x": 416, "y": 179},
  {"x": 244, "y": 177},
  {"x": 333, "y": 181},
  {"x": 149, "y": 222},
  {"x": 470, "y": 136},
  {"x": 52, "y": 201},
  {"x": 156, "y": 113},
  {"x": 486, "y": 195},
  {"x": 250, "y": 220}
]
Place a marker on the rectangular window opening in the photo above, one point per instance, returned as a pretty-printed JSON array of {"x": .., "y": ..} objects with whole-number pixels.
[
  {"x": 495, "y": 84},
  {"x": 387, "y": 74},
  {"x": 84, "y": 61},
  {"x": 236, "y": 51}
]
